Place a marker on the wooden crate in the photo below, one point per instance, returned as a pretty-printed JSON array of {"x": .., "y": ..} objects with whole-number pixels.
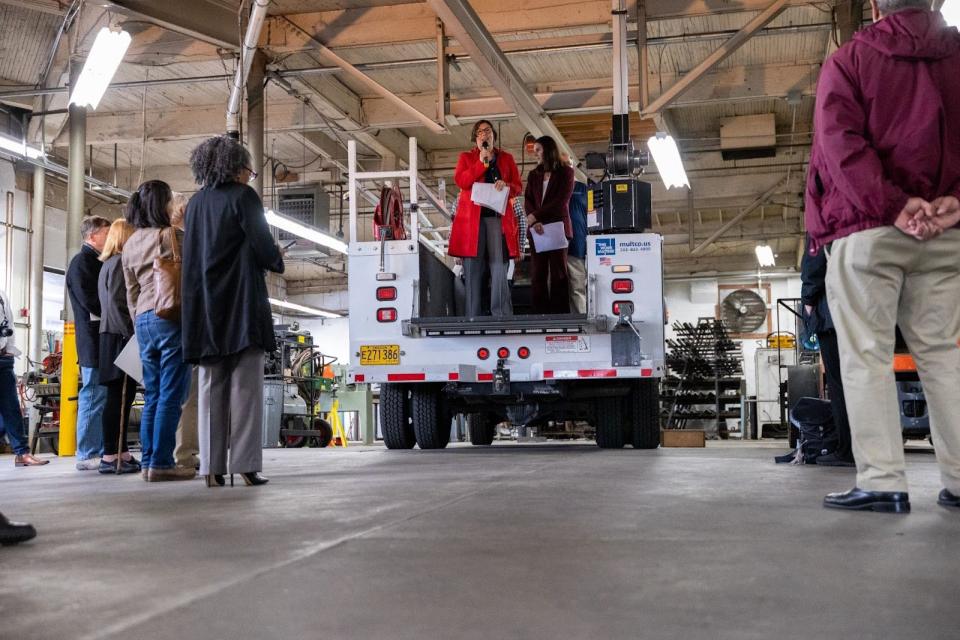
[{"x": 683, "y": 438}]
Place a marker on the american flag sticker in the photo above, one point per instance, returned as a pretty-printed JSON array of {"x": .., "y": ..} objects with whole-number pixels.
[{"x": 606, "y": 262}]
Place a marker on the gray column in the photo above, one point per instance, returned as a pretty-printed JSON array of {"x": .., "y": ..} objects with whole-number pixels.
[
  {"x": 75, "y": 184},
  {"x": 255, "y": 117},
  {"x": 37, "y": 216}
]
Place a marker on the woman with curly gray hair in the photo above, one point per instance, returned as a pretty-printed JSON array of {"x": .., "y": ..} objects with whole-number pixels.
[{"x": 227, "y": 324}]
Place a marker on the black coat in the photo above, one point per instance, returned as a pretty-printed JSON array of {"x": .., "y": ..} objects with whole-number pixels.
[
  {"x": 813, "y": 291},
  {"x": 226, "y": 248},
  {"x": 82, "y": 276}
]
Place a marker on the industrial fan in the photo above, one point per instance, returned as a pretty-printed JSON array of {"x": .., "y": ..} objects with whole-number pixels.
[{"x": 743, "y": 311}]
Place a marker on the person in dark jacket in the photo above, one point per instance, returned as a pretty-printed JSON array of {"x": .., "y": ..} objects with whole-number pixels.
[
  {"x": 81, "y": 281},
  {"x": 227, "y": 323},
  {"x": 166, "y": 378},
  {"x": 116, "y": 329},
  {"x": 577, "y": 251},
  {"x": 816, "y": 316},
  {"x": 882, "y": 196},
  {"x": 546, "y": 200}
]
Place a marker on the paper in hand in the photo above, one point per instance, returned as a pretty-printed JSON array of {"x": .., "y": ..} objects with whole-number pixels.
[
  {"x": 129, "y": 360},
  {"x": 552, "y": 238},
  {"x": 485, "y": 195}
]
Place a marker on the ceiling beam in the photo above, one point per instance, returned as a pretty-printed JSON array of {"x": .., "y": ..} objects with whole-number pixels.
[
  {"x": 415, "y": 22},
  {"x": 43, "y": 6},
  {"x": 206, "y": 20},
  {"x": 295, "y": 32},
  {"x": 718, "y": 56},
  {"x": 462, "y": 21},
  {"x": 756, "y": 204}
]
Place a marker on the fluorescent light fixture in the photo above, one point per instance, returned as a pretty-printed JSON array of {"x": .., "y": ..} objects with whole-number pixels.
[
  {"x": 765, "y": 256},
  {"x": 303, "y": 309},
  {"x": 102, "y": 62},
  {"x": 312, "y": 234},
  {"x": 666, "y": 155},
  {"x": 18, "y": 147},
  {"x": 951, "y": 12}
]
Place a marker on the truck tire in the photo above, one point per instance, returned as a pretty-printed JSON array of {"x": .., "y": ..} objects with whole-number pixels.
[
  {"x": 482, "y": 429},
  {"x": 395, "y": 417},
  {"x": 431, "y": 422},
  {"x": 608, "y": 420},
  {"x": 645, "y": 402}
]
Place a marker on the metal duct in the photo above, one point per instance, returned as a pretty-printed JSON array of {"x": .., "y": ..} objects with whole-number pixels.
[{"x": 250, "y": 41}]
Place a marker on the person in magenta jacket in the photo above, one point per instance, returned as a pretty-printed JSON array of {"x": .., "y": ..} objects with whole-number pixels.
[
  {"x": 882, "y": 198},
  {"x": 483, "y": 238},
  {"x": 546, "y": 200}
]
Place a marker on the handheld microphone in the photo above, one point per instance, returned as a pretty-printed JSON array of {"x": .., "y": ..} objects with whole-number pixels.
[{"x": 486, "y": 145}]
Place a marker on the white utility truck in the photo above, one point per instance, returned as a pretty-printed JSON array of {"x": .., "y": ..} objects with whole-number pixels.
[{"x": 603, "y": 367}]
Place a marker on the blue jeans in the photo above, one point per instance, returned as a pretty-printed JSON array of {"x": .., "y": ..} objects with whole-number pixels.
[
  {"x": 91, "y": 401},
  {"x": 166, "y": 382},
  {"x": 11, "y": 420}
]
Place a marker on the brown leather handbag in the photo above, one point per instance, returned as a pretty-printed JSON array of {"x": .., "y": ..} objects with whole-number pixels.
[{"x": 166, "y": 278}]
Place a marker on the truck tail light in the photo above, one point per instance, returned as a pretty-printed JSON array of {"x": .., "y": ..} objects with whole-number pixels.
[
  {"x": 483, "y": 353},
  {"x": 386, "y": 293},
  {"x": 622, "y": 285},
  {"x": 622, "y": 305},
  {"x": 386, "y": 314},
  {"x": 503, "y": 353},
  {"x": 523, "y": 352}
]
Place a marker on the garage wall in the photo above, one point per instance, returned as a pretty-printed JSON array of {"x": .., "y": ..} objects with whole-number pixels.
[{"x": 687, "y": 301}]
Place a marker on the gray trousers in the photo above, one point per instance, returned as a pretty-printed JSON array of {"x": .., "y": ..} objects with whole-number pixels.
[
  {"x": 489, "y": 254},
  {"x": 187, "y": 446},
  {"x": 231, "y": 414}
]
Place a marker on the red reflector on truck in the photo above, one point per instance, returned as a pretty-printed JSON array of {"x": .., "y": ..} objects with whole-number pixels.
[
  {"x": 386, "y": 293},
  {"x": 622, "y": 285},
  {"x": 523, "y": 352},
  {"x": 503, "y": 353},
  {"x": 406, "y": 377},
  {"x": 597, "y": 373},
  {"x": 359, "y": 377}
]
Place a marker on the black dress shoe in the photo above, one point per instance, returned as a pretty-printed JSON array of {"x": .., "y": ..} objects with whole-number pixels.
[
  {"x": 254, "y": 479},
  {"x": 833, "y": 460},
  {"x": 948, "y": 499},
  {"x": 860, "y": 500},
  {"x": 15, "y": 532}
]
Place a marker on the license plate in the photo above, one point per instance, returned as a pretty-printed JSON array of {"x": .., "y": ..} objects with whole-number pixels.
[{"x": 379, "y": 354}]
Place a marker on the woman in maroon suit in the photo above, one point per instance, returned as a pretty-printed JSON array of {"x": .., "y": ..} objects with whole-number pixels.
[
  {"x": 546, "y": 200},
  {"x": 485, "y": 239}
]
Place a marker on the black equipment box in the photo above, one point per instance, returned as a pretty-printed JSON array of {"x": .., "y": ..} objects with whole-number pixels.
[{"x": 621, "y": 204}]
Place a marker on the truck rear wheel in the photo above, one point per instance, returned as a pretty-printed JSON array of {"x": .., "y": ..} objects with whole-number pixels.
[
  {"x": 395, "y": 417},
  {"x": 482, "y": 428},
  {"x": 431, "y": 420},
  {"x": 608, "y": 420},
  {"x": 645, "y": 414}
]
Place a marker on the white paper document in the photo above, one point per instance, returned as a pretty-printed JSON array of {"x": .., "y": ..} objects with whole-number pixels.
[
  {"x": 485, "y": 195},
  {"x": 129, "y": 360},
  {"x": 551, "y": 239}
]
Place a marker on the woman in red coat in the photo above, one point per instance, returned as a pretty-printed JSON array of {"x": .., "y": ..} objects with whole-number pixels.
[
  {"x": 546, "y": 200},
  {"x": 484, "y": 238}
]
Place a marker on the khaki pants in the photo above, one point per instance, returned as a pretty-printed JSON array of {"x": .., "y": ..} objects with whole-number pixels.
[
  {"x": 188, "y": 446},
  {"x": 877, "y": 279},
  {"x": 577, "y": 275}
]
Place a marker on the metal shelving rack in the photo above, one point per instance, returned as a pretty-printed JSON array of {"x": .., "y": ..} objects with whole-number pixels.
[{"x": 706, "y": 376}]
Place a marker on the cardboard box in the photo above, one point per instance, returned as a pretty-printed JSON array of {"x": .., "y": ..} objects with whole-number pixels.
[{"x": 683, "y": 438}]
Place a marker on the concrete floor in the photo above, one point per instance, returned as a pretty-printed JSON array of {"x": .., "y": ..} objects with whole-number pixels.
[{"x": 535, "y": 541}]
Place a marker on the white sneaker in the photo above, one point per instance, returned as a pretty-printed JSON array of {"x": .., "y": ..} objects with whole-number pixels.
[{"x": 90, "y": 464}]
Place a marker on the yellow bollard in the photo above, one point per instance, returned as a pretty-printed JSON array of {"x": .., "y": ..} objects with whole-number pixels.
[{"x": 69, "y": 387}]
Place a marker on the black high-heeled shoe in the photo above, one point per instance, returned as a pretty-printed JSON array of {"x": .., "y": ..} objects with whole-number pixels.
[
  {"x": 215, "y": 480},
  {"x": 254, "y": 478}
]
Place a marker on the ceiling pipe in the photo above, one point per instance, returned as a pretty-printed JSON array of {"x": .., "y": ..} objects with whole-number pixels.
[{"x": 250, "y": 41}]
